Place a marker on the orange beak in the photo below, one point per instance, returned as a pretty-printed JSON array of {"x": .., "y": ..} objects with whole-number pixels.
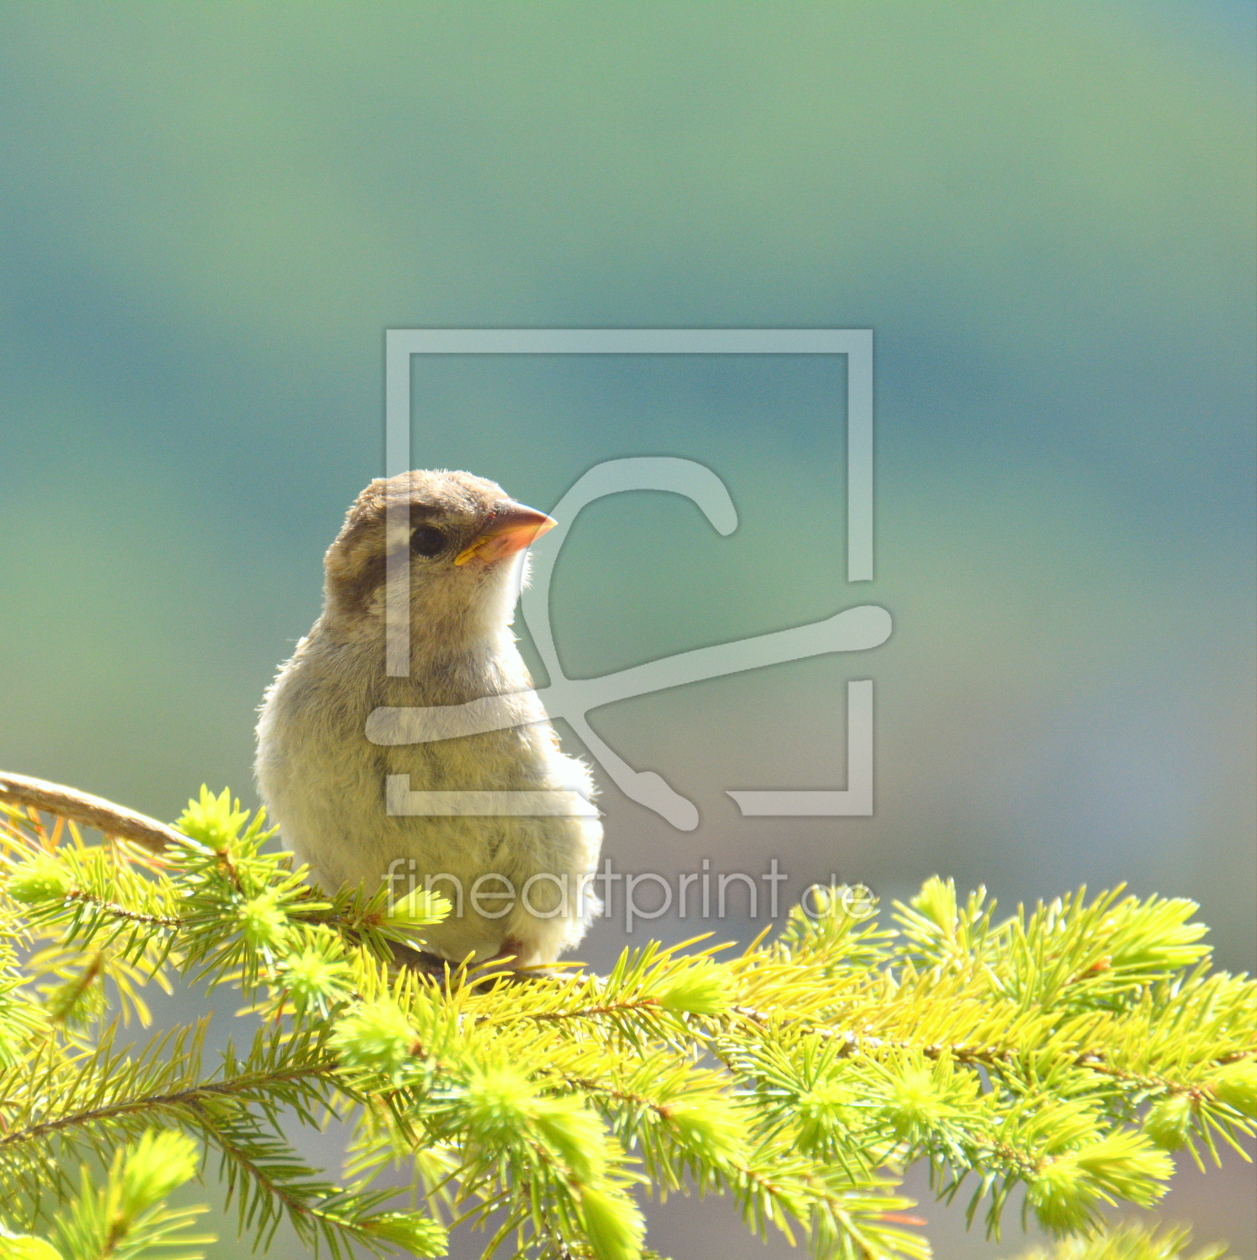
[{"x": 512, "y": 529}]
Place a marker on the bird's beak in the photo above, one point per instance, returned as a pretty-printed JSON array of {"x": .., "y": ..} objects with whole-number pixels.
[{"x": 512, "y": 529}]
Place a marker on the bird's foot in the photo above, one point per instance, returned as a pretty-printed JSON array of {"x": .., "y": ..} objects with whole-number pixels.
[
  {"x": 503, "y": 965},
  {"x": 421, "y": 961}
]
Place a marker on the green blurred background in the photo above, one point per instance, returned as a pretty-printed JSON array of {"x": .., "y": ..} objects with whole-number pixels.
[{"x": 211, "y": 214}]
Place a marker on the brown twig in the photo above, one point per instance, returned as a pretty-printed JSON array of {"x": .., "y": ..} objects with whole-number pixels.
[{"x": 90, "y": 811}]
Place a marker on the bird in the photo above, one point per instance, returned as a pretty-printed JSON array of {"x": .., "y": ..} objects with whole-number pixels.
[{"x": 323, "y": 782}]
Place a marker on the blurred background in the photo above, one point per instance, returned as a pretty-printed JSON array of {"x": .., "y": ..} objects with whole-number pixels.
[{"x": 1045, "y": 212}]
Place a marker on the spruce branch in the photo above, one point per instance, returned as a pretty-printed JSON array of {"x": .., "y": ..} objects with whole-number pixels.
[{"x": 1067, "y": 1049}]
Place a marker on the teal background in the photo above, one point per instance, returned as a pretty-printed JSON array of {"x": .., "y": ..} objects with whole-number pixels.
[{"x": 212, "y": 213}]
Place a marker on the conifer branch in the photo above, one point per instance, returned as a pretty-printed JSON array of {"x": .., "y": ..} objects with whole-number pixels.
[
  {"x": 190, "y": 1099},
  {"x": 1067, "y": 1050}
]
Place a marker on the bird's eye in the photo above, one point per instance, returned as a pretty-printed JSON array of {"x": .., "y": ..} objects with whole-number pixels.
[{"x": 427, "y": 540}]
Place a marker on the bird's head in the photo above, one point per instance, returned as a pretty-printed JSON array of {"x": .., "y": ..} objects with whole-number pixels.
[{"x": 462, "y": 537}]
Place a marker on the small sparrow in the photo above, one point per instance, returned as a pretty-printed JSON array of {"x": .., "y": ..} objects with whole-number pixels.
[{"x": 323, "y": 781}]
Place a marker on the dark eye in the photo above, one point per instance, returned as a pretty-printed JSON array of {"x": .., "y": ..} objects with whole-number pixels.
[{"x": 427, "y": 540}]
